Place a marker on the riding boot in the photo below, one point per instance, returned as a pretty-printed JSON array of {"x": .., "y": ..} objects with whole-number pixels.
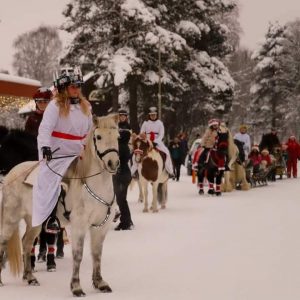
[
  {"x": 51, "y": 265},
  {"x": 201, "y": 190},
  {"x": 218, "y": 190}
]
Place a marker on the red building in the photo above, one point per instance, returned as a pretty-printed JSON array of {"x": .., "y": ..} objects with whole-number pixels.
[{"x": 16, "y": 91}]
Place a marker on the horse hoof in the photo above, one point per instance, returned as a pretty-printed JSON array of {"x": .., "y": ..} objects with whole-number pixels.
[
  {"x": 1, "y": 284},
  {"x": 78, "y": 293},
  {"x": 33, "y": 282},
  {"x": 155, "y": 211},
  {"x": 145, "y": 210},
  {"x": 163, "y": 206},
  {"x": 105, "y": 289}
]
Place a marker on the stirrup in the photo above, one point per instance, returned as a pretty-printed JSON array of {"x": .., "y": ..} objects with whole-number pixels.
[{"x": 52, "y": 225}]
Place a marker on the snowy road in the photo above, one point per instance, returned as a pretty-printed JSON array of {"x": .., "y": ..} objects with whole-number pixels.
[{"x": 243, "y": 245}]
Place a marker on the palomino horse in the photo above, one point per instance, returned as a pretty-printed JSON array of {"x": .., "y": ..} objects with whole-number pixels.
[
  {"x": 237, "y": 173},
  {"x": 151, "y": 169},
  {"x": 90, "y": 198}
]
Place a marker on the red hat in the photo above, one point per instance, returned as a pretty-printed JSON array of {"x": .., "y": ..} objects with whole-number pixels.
[
  {"x": 42, "y": 94},
  {"x": 255, "y": 147}
]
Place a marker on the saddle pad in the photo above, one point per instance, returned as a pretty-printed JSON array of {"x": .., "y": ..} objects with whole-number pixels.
[{"x": 32, "y": 176}]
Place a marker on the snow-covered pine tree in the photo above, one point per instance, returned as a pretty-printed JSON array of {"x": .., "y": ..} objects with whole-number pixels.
[
  {"x": 124, "y": 38},
  {"x": 268, "y": 105}
]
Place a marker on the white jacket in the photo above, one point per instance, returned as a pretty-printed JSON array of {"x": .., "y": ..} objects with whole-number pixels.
[
  {"x": 47, "y": 188},
  {"x": 245, "y": 138}
]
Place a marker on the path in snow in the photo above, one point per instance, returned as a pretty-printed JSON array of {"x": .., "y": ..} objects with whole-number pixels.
[{"x": 243, "y": 245}]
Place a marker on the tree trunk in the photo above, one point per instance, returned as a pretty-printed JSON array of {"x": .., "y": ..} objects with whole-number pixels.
[
  {"x": 133, "y": 111},
  {"x": 115, "y": 98}
]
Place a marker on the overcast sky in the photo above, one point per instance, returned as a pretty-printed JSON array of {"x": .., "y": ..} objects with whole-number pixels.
[{"x": 19, "y": 16}]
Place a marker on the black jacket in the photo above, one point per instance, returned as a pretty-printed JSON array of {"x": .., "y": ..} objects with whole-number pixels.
[{"x": 124, "y": 151}]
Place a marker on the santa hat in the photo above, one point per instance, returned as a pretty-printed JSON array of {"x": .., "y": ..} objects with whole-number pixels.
[
  {"x": 292, "y": 137},
  {"x": 213, "y": 122},
  {"x": 255, "y": 147},
  {"x": 265, "y": 151}
]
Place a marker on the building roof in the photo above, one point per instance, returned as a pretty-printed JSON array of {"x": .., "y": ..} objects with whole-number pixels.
[{"x": 11, "y": 85}]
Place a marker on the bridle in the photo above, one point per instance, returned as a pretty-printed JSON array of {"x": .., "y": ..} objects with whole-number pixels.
[
  {"x": 142, "y": 153},
  {"x": 101, "y": 155}
]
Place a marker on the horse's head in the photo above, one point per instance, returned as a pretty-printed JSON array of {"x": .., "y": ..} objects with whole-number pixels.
[
  {"x": 141, "y": 147},
  {"x": 103, "y": 142}
]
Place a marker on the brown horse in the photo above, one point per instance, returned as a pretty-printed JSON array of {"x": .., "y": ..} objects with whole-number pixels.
[{"x": 151, "y": 168}]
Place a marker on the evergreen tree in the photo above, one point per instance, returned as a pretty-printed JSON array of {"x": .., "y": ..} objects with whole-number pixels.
[
  {"x": 125, "y": 38},
  {"x": 269, "y": 87}
]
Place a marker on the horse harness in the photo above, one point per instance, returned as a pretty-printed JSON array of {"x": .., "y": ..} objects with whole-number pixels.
[{"x": 67, "y": 213}]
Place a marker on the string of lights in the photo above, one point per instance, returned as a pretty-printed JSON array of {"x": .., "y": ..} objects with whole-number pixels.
[{"x": 8, "y": 102}]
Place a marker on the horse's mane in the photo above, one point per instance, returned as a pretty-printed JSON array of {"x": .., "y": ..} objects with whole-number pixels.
[
  {"x": 232, "y": 148},
  {"x": 106, "y": 122}
]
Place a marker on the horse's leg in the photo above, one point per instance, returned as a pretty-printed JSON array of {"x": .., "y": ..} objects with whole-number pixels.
[
  {"x": 218, "y": 182},
  {"x": 27, "y": 241},
  {"x": 154, "y": 199},
  {"x": 200, "y": 175},
  {"x": 164, "y": 191},
  {"x": 78, "y": 234},
  {"x": 97, "y": 238},
  {"x": 144, "y": 185},
  {"x": 210, "y": 179},
  {"x": 140, "y": 192}
]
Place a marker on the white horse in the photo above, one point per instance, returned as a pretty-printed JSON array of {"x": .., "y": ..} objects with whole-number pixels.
[
  {"x": 89, "y": 198},
  {"x": 151, "y": 169}
]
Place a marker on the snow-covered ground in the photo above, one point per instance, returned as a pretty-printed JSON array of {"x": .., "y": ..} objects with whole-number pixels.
[{"x": 243, "y": 245}]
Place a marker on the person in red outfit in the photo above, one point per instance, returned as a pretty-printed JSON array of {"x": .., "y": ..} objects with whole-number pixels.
[{"x": 293, "y": 151}]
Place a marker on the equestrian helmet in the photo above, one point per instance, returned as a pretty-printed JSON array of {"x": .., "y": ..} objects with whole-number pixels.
[
  {"x": 68, "y": 76},
  {"x": 123, "y": 112},
  {"x": 42, "y": 94},
  {"x": 152, "y": 110}
]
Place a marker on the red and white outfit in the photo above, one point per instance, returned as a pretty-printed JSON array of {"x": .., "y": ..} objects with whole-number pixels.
[
  {"x": 68, "y": 134},
  {"x": 155, "y": 132}
]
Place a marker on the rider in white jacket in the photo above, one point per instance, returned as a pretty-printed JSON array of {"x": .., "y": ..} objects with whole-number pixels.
[
  {"x": 155, "y": 131},
  {"x": 66, "y": 121},
  {"x": 244, "y": 137}
]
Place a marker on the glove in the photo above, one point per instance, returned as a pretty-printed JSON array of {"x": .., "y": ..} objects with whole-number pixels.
[{"x": 47, "y": 153}]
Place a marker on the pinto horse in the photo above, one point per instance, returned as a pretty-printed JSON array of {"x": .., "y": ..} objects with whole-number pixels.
[
  {"x": 90, "y": 199},
  {"x": 214, "y": 169},
  {"x": 151, "y": 168}
]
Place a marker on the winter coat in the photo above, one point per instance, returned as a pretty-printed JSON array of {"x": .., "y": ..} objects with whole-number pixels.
[
  {"x": 176, "y": 151},
  {"x": 266, "y": 158},
  {"x": 124, "y": 151},
  {"x": 209, "y": 138},
  {"x": 33, "y": 123},
  {"x": 269, "y": 141},
  {"x": 67, "y": 136},
  {"x": 244, "y": 138},
  {"x": 293, "y": 149},
  {"x": 255, "y": 158},
  {"x": 155, "y": 131}
]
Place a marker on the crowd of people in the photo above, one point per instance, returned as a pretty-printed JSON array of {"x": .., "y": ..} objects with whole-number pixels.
[{"x": 60, "y": 123}]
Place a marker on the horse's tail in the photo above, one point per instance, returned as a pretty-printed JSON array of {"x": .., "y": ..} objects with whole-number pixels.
[{"x": 14, "y": 253}]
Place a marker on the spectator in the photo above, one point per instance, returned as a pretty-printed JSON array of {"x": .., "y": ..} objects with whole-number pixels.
[
  {"x": 177, "y": 155},
  {"x": 293, "y": 151},
  {"x": 269, "y": 141}
]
